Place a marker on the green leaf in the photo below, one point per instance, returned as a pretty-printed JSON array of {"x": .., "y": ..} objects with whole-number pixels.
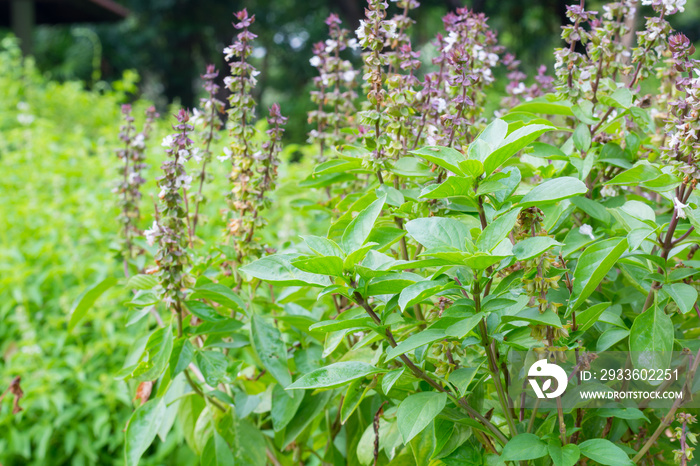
[
  {"x": 142, "y": 282},
  {"x": 310, "y": 408},
  {"x": 545, "y": 106},
  {"x": 359, "y": 228},
  {"x": 217, "y": 452},
  {"x": 514, "y": 142},
  {"x": 284, "y": 406},
  {"x": 418, "y": 292},
  {"x": 323, "y": 246},
  {"x": 391, "y": 284},
  {"x": 651, "y": 340},
  {"x": 390, "y": 379},
  {"x": 592, "y": 208},
  {"x": 462, "y": 377},
  {"x": 142, "y": 429},
  {"x": 279, "y": 269},
  {"x": 464, "y": 326},
  {"x": 439, "y": 232},
  {"x": 220, "y": 294},
  {"x": 497, "y": 230},
  {"x": 415, "y": 341},
  {"x": 533, "y": 315},
  {"x": 451, "y": 187},
  {"x": 610, "y": 337},
  {"x": 586, "y": 319},
  {"x": 621, "y": 98},
  {"x": 684, "y": 295},
  {"x": 329, "y": 265},
  {"x": 156, "y": 355},
  {"x": 582, "y": 138},
  {"x": 445, "y": 157},
  {"x": 567, "y": 455},
  {"x": 593, "y": 264},
  {"x": 213, "y": 366},
  {"x": 604, "y": 452},
  {"x": 524, "y": 447},
  {"x": 181, "y": 356},
  {"x": 622, "y": 413},
  {"x": 553, "y": 191},
  {"x": 271, "y": 349},
  {"x": 417, "y": 411},
  {"x": 335, "y": 375},
  {"x": 247, "y": 442},
  {"x": 204, "y": 311},
  {"x": 634, "y": 176},
  {"x": 87, "y": 299},
  {"x": 534, "y": 246}
]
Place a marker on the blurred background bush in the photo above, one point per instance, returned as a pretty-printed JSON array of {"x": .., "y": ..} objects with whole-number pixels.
[
  {"x": 59, "y": 119},
  {"x": 169, "y": 42}
]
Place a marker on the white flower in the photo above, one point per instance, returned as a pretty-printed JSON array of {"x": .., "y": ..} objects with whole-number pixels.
[
  {"x": 608, "y": 191},
  {"x": 152, "y": 233},
  {"x": 227, "y": 154},
  {"x": 196, "y": 154},
  {"x": 360, "y": 31},
  {"x": 679, "y": 206},
  {"x": 519, "y": 89},
  {"x": 315, "y": 61},
  {"x": 168, "y": 141},
  {"x": 586, "y": 230},
  {"x": 139, "y": 141},
  {"x": 253, "y": 79},
  {"x": 352, "y": 43},
  {"x": 184, "y": 153},
  {"x": 228, "y": 53},
  {"x": 391, "y": 29},
  {"x": 674, "y": 141},
  {"x": 441, "y": 105},
  {"x": 348, "y": 76},
  {"x": 183, "y": 181},
  {"x": 331, "y": 45},
  {"x": 228, "y": 80},
  {"x": 196, "y": 117},
  {"x": 450, "y": 41}
]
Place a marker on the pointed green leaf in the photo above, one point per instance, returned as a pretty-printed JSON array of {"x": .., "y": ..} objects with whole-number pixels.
[
  {"x": 524, "y": 447},
  {"x": 417, "y": 411},
  {"x": 335, "y": 375},
  {"x": 553, "y": 191},
  {"x": 359, "y": 228},
  {"x": 592, "y": 266},
  {"x": 415, "y": 341},
  {"x": 142, "y": 429},
  {"x": 271, "y": 349},
  {"x": 439, "y": 232},
  {"x": 445, "y": 157},
  {"x": 87, "y": 299},
  {"x": 604, "y": 452},
  {"x": 651, "y": 340},
  {"x": 278, "y": 268}
]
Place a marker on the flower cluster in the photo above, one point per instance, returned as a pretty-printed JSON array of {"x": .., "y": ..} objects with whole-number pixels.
[
  {"x": 516, "y": 89},
  {"x": 683, "y": 123},
  {"x": 252, "y": 168},
  {"x": 469, "y": 53},
  {"x": 210, "y": 121},
  {"x": 335, "y": 87},
  {"x": 170, "y": 228},
  {"x": 373, "y": 33},
  {"x": 132, "y": 156}
]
